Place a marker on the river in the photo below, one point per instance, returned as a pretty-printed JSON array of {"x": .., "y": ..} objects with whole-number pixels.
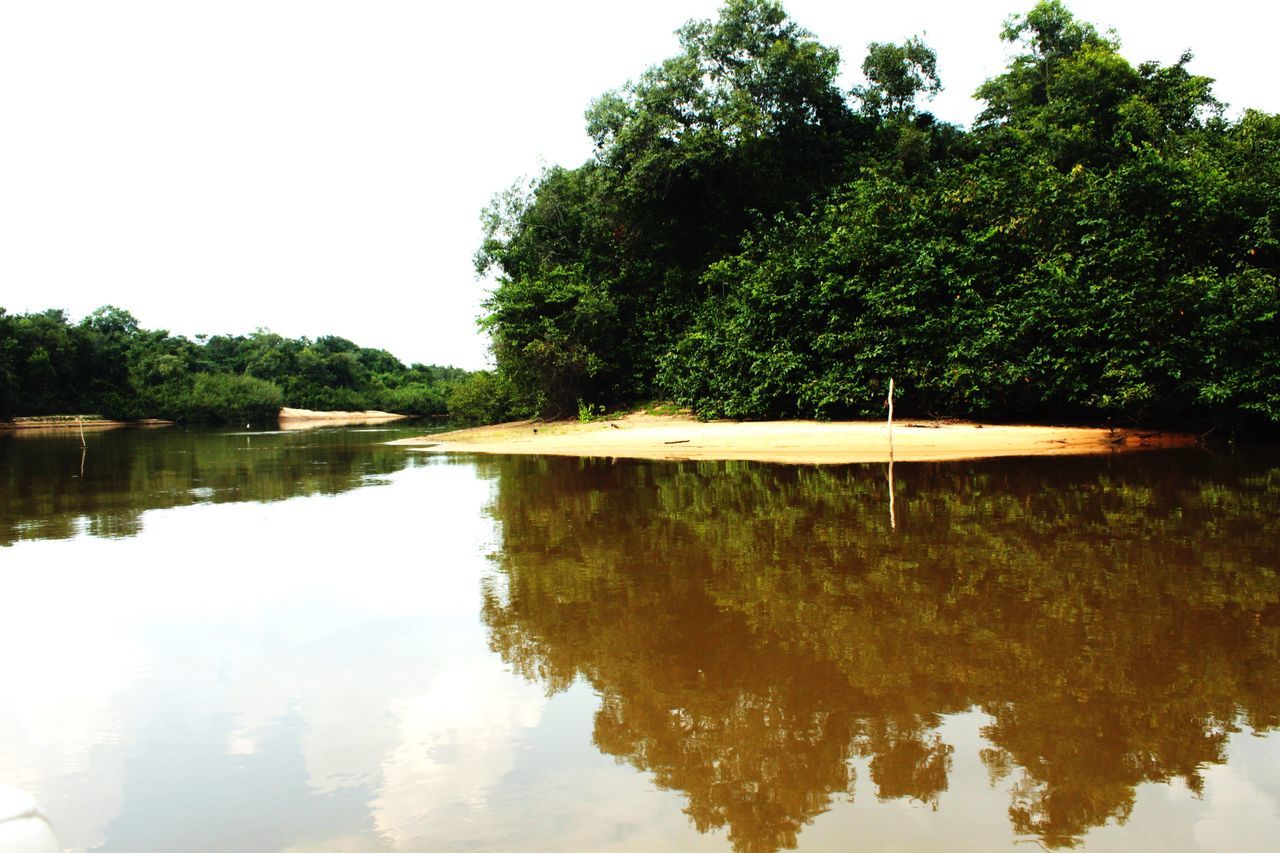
[{"x": 308, "y": 641}]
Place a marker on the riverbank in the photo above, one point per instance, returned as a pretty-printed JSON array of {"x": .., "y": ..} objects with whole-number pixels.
[
  {"x": 677, "y": 437},
  {"x": 292, "y": 418},
  {"x": 309, "y": 419},
  {"x": 288, "y": 414},
  {"x": 76, "y": 422}
]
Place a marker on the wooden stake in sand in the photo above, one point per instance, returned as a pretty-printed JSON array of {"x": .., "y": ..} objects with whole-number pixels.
[
  {"x": 80, "y": 423},
  {"x": 892, "y": 516}
]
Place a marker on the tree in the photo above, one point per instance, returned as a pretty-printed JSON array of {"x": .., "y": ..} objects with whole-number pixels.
[
  {"x": 897, "y": 75},
  {"x": 1102, "y": 247},
  {"x": 480, "y": 398},
  {"x": 1072, "y": 98},
  {"x": 103, "y": 342},
  {"x": 745, "y": 121},
  {"x": 9, "y": 371},
  {"x": 553, "y": 335},
  {"x": 107, "y": 364}
]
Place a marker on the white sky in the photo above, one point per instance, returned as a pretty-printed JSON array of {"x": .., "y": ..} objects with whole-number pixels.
[{"x": 317, "y": 167}]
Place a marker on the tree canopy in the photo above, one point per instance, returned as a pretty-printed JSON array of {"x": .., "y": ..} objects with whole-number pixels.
[
  {"x": 752, "y": 241},
  {"x": 108, "y": 365}
]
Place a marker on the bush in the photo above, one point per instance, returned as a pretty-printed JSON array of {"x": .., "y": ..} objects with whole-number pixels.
[
  {"x": 220, "y": 398},
  {"x": 481, "y": 398}
]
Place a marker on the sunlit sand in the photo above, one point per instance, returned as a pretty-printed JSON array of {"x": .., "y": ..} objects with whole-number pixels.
[
  {"x": 294, "y": 419},
  {"x": 643, "y": 436}
]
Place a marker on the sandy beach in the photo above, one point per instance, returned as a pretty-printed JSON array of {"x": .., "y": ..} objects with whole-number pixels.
[
  {"x": 310, "y": 419},
  {"x": 644, "y": 436},
  {"x": 64, "y": 423}
]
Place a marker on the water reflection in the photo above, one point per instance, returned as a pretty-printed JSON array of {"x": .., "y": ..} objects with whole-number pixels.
[
  {"x": 1054, "y": 651},
  {"x": 250, "y": 676},
  {"x": 52, "y": 488},
  {"x": 755, "y": 632}
]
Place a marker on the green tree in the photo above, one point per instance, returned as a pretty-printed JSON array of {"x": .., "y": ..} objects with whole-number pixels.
[
  {"x": 1072, "y": 98},
  {"x": 897, "y": 75},
  {"x": 9, "y": 370},
  {"x": 107, "y": 364},
  {"x": 746, "y": 120},
  {"x": 481, "y": 397},
  {"x": 103, "y": 342},
  {"x": 1101, "y": 246},
  {"x": 554, "y": 334},
  {"x": 44, "y": 353}
]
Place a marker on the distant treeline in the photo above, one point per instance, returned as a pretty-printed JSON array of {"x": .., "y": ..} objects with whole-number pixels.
[
  {"x": 106, "y": 364},
  {"x": 752, "y": 241}
]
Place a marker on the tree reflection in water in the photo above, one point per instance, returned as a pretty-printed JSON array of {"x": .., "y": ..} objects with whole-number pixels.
[
  {"x": 52, "y": 488},
  {"x": 753, "y": 630}
]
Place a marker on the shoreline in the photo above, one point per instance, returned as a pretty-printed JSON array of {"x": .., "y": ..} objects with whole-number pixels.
[
  {"x": 297, "y": 419},
  {"x": 288, "y": 414},
  {"x": 64, "y": 423},
  {"x": 311, "y": 414},
  {"x": 678, "y": 437}
]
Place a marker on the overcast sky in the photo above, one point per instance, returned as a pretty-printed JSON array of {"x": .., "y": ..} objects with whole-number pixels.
[{"x": 318, "y": 167}]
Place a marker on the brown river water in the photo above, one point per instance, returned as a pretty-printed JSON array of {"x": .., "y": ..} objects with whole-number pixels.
[{"x": 309, "y": 641}]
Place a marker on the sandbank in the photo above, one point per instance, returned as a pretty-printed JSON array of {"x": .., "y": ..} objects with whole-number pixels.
[
  {"x": 676, "y": 437},
  {"x": 63, "y": 423},
  {"x": 308, "y": 418}
]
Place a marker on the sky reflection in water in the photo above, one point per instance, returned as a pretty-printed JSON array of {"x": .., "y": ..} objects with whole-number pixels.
[{"x": 410, "y": 652}]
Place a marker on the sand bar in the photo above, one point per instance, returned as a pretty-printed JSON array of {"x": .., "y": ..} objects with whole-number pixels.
[
  {"x": 309, "y": 418},
  {"x": 643, "y": 436},
  {"x": 65, "y": 423}
]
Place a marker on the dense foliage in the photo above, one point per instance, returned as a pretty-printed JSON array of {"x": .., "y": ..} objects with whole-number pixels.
[
  {"x": 106, "y": 364},
  {"x": 753, "y": 242}
]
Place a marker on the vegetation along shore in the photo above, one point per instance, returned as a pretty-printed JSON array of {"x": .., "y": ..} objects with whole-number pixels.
[
  {"x": 750, "y": 239},
  {"x": 1101, "y": 245},
  {"x": 107, "y": 364}
]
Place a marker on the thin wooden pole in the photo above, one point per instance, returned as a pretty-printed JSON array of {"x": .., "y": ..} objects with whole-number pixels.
[
  {"x": 84, "y": 448},
  {"x": 890, "y": 417},
  {"x": 893, "y": 517}
]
